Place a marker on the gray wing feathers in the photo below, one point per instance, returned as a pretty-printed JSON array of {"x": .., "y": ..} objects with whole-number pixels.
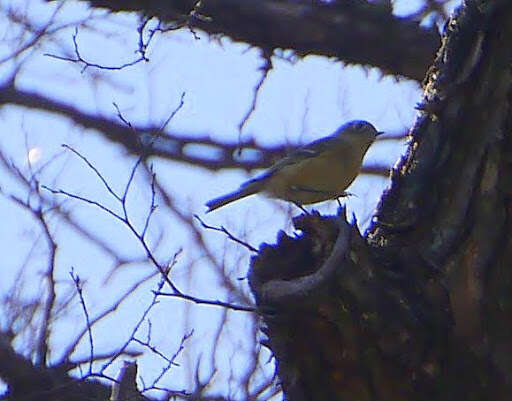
[{"x": 306, "y": 152}]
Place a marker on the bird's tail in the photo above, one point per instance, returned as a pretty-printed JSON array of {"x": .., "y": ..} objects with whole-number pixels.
[{"x": 250, "y": 188}]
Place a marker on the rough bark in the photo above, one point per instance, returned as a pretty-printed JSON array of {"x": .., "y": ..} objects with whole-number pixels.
[
  {"x": 27, "y": 382},
  {"x": 419, "y": 308}
]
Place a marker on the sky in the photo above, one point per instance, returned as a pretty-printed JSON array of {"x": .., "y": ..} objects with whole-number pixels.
[{"x": 298, "y": 102}]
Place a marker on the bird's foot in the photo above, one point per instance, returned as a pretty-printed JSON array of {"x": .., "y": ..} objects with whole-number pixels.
[{"x": 301, "y": 208}]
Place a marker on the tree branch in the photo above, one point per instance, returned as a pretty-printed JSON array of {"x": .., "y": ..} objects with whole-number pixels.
[
  {"x": 150, "y": 141},
  {"x": 356, "y": 32}
]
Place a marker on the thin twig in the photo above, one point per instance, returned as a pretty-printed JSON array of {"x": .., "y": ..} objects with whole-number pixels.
[
  {"x": 174, "y": 112},
  {"x": 72, "y": 347},
  {"x": 86, "y": 64},
  {"x": 201, "y": 301},
  {"x": 224, "y": 230},
  {"x": 78, "y": 286},
  {"x": 94, "y": 169},
  {"x": 170, "y": 361},
  {"x": 153, "y": 206},
  {"x": 154, "y": 301},
  {"x": 265, "y": 68},
  {"x": 82, "y": 199}
]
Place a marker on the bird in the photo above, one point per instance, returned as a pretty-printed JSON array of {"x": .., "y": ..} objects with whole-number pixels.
[{"x": 316, "y": 172}]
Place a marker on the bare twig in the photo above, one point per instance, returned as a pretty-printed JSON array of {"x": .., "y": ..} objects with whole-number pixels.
[
  {"x": 87, "y": 64},
  {"x": 174, "y": 112},
  {"x": 201, "y": 301},
  {"x": 170, "y": 361},
  {"x": 94, "y": 169},
  {"x": 79, "y": 290},
  {"x": 83, "y": 199},
  {"x": 153, "y": 206},
  {"x": 43, "y": 335},
  {"x": 164, "y": 270},
  {"x": 265, "y": 68},
  {"x": 72, "y": 347},
  {"x": 123, "y": 218},
  {"x": 224, "y": 230},
  {"x": 121, "y": 350}
]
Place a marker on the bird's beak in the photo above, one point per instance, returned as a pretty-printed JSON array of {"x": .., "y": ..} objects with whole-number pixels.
[{"x": 379, "y": 133}]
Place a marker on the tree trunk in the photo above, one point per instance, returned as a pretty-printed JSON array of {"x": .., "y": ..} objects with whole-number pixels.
[{"x": 420, "y": 307}]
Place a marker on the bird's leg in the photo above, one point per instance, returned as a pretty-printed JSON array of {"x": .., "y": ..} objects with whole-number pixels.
[
  {"x": 345, "y": 194},
  {"x": 300, "y": 207}
]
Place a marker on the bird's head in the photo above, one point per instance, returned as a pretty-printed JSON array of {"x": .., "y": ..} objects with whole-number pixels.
[{"x": 358, "y": 129}]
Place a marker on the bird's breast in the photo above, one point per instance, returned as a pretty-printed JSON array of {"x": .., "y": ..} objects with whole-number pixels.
[{"x": 314, "y": 179}]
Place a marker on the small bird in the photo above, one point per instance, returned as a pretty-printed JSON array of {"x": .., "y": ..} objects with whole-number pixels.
[{"x": 316, "y": 172}]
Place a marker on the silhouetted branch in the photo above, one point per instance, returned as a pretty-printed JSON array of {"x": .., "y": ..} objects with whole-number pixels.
[{"x": 397, "y": 46}]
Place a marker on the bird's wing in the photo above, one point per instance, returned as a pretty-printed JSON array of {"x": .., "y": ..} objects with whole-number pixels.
[{"x": 306, "y": 152}]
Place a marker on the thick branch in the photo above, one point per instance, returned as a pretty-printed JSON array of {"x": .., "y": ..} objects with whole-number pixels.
[
  {"x": 27, "y": 382},
  {"x": 355, "y": 32},
  {"x": 152, "y": 142}
]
